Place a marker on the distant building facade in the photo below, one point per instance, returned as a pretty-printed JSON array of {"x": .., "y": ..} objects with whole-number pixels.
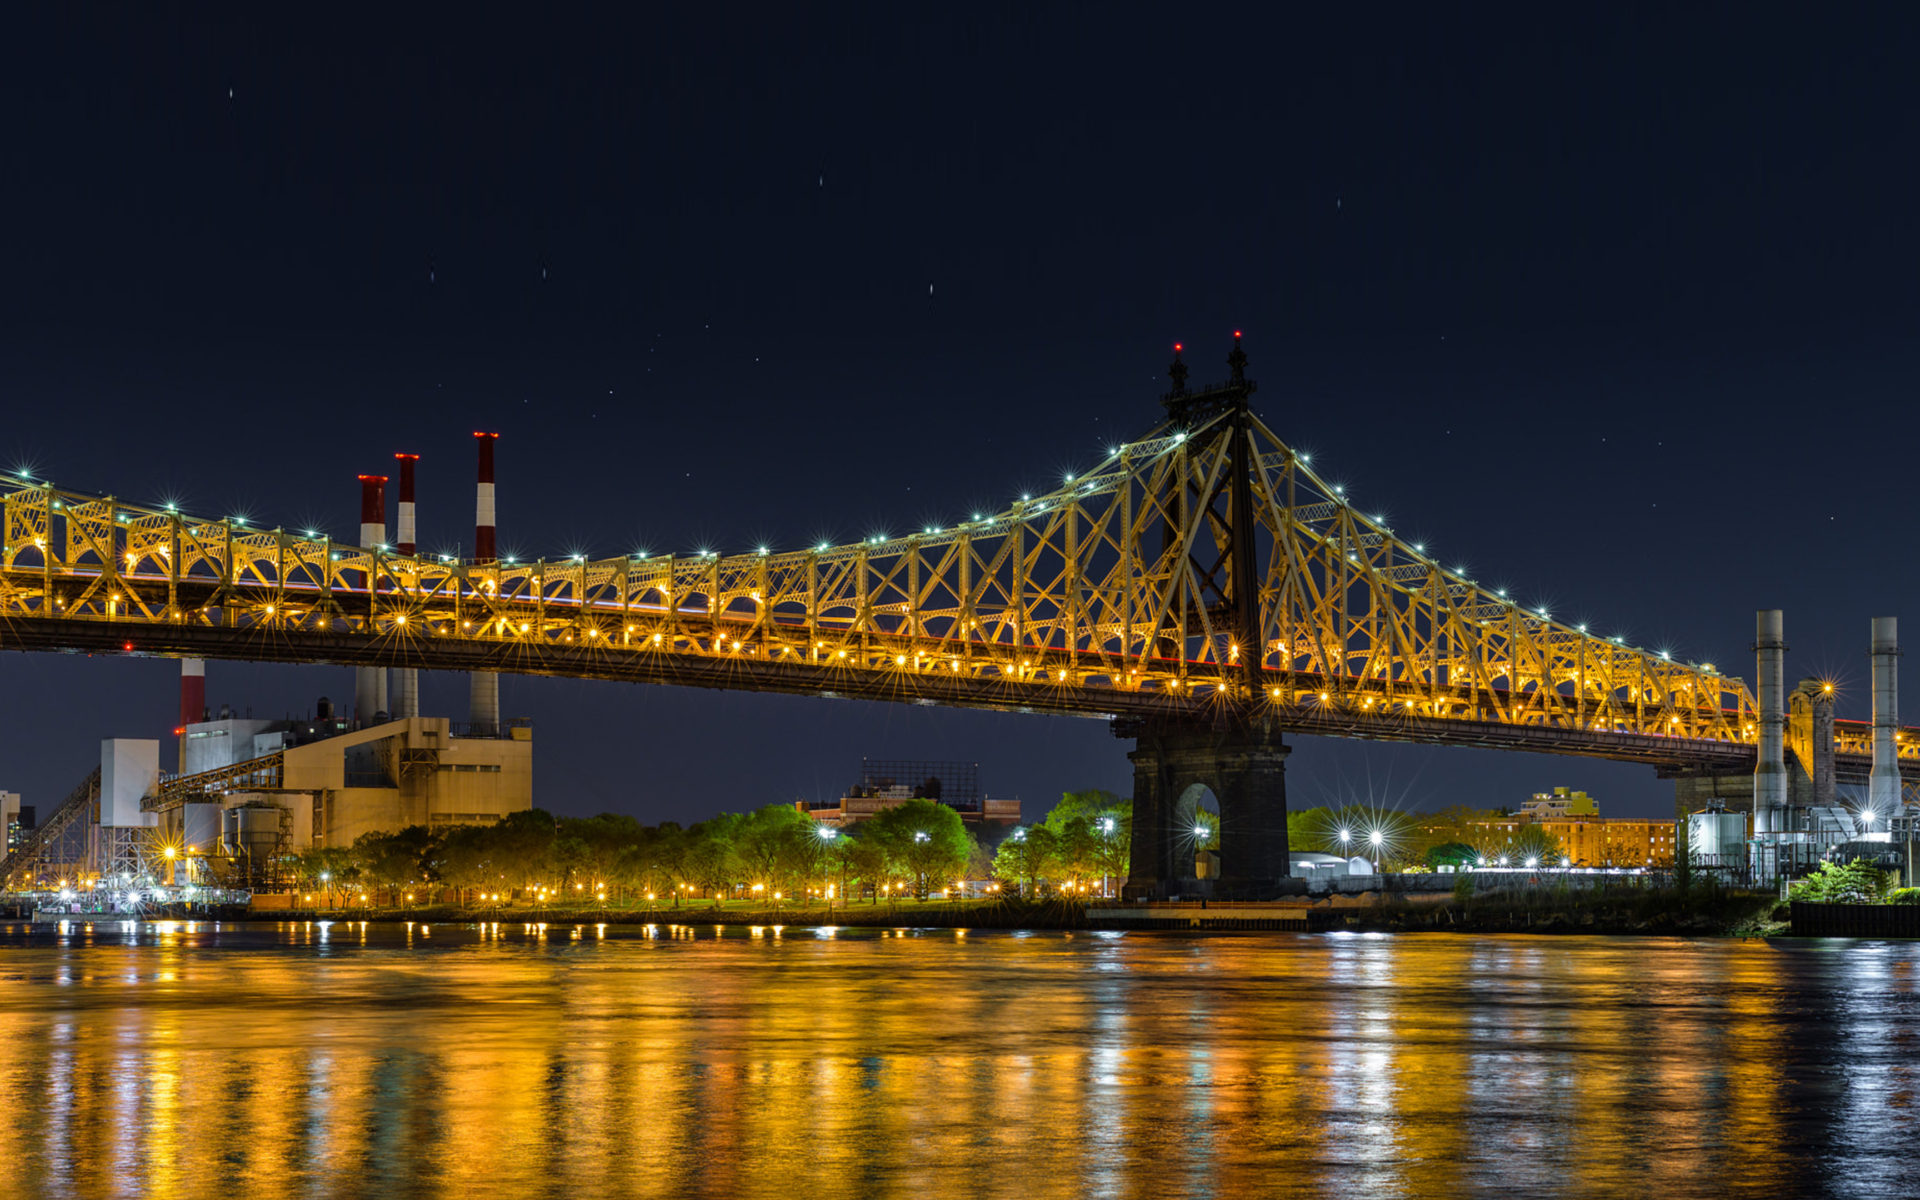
[
  {"x": 16, "y": 821},
  {"x": 1573, "y": 819},
  {"x": 889, "y": 783}
]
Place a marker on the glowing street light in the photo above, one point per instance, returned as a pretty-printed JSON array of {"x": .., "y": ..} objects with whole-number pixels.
[{"x": 1202, "y": 832}]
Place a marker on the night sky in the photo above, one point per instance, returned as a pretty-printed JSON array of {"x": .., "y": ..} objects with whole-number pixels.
[{"x": 1618, "y": 310}]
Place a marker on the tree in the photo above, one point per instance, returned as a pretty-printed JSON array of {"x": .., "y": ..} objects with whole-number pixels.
[
  {"x": 1857, "y": 882},
  {"x": 1093, "y": 834},
  {"x": 463, "y": 859},
  {"x": 591, "y": 852},
  {"x": 710, "y": 862},
  {"x": 657, "y": 862},
  {"x": 866, "y": 860},
  {"x": 394, "y": 860},
  {"x": 925, "y": 838},
  {"x": 1450, "y": 854},
  {"x": 776, "y": 845}
]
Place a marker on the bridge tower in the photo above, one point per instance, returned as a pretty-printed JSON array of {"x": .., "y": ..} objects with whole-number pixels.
[{"x": 1236, "y": 752}]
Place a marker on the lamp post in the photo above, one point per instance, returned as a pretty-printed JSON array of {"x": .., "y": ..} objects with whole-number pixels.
[
  {"x": 1106, "y": 828},
  {"x": 326, "y": 877},
  {"x": 827, "y": 834},
  {"x": 1375, "y": 838}
]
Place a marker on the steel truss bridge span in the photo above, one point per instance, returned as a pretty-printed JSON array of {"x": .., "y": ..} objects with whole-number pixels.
[{"x": 1200, "y": 569}]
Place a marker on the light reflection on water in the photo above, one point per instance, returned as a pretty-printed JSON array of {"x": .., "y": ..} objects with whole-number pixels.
[{"x": 342, "y": 1059}]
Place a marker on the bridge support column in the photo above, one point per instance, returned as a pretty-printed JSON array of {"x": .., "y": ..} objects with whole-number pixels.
[{"x": 1245, "y": 769}]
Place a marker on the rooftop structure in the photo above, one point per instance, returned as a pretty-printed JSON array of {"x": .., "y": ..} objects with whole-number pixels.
[{"x": 887, "y": 783}]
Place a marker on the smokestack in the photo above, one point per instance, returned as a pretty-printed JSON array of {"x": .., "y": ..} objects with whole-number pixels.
[
  {"x": 1883, "y": 784},
  {"x": 404, "y": 542},
  {"x": 370, "y": 683},
  {"x": 193, "y": 702},
  {"x": 483, "y": 551},
  {"x": 483, "y": 709},
  {"x": 406, "y": 680},
  {"x": 1770, "y": 770}
]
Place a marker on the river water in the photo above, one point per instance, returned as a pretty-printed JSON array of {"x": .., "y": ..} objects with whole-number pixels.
[{"x": 317, "y": 1060}]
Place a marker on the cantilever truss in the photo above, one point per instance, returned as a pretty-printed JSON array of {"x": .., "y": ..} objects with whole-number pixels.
[{"x": 1116, "y": 594}]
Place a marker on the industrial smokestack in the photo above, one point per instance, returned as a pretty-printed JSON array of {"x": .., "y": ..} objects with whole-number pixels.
[
  {"x": 193, "y": 702},
  {"x": 370, "y": 683},
  {"x": 1770, "y": 769},
  {"x": 484, "y": 696},
  {"x": 1883, "y": 784},
  {"x": 406, "y": 680}
]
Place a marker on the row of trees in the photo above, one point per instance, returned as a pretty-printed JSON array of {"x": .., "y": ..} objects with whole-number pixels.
[
  {"x": 776, "y": 852},
  {"x": 917, "y": 848},
  {"x": 1400, "y": 841}
]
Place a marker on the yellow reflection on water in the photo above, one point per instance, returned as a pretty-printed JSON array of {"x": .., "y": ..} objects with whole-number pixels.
[{"x": 315, "y": 1059}]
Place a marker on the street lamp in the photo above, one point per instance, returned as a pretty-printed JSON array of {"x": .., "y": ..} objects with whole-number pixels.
[
  {"x": 1375, "y": 839},
  {"x": 1106, "y": 827},
  {"x": 826, "y": 834}
]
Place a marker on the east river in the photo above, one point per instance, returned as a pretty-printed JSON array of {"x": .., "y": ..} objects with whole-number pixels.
[{"x": 310, "y": 1060}]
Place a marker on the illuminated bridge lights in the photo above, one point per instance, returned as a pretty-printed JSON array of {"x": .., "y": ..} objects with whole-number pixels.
[{"x": 1082, "y": 600}]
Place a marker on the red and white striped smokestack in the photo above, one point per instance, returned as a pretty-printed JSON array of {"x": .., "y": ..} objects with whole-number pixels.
[
  {"x": 373, "y": 510},
  {"x": 483, "y": 695},
  {"x": 483, "y": 551},
  {"x": 404, "y": 689},
  {"x": 403, "y": 535},
  {"x": 370, "y": 683},
  {"x": 193, "y": 692},
  {"x": 193, "y": 703}
]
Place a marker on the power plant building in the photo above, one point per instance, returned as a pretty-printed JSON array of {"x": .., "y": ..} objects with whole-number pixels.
[{"x": 329, "y": 783}]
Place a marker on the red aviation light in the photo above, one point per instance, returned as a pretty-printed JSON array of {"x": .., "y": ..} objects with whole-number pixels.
[
  {"x": 1177, "y": 347},
  {"x": 1236, "y": 335}
]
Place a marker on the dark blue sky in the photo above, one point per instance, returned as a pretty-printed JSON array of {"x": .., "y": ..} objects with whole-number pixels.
[{"x": 1617, "y": 309}]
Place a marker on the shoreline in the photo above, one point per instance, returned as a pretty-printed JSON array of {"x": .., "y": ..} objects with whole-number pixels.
[{"x": 1723, "y": 915}]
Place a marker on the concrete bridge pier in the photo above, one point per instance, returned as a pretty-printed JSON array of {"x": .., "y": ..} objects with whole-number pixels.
[{"x": 1174, "y": 766}]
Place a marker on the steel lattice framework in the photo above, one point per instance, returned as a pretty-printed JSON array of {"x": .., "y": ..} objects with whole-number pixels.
[{"x": 1201, "y": 572}]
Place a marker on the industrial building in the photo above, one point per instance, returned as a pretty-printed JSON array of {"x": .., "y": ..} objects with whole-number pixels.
[
  {"x": 889, "y": 783},
  {"x": 1791, "y": 806},
  {"x": 250, "y": 792},
  {"x": 331, "y": 782}
]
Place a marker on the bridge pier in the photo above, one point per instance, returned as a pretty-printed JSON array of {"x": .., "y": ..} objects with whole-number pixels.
[{"x": 1245, "y": 769}]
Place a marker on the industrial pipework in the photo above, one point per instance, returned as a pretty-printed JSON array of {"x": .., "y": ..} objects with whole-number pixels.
[
  {"x": 370, "y": 683},
  {"x": 1770, "y": 769},
  {"x": 406, "y": 680},
  {"x": 483, "y": 708},
  {"x": 1883, "y": 784}
]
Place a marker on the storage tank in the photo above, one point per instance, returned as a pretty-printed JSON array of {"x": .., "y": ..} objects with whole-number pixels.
[
  {"x": 253, "y": 832},
  {"x": 1716, "y": 837},
  {"x": 200, "y": 827}
]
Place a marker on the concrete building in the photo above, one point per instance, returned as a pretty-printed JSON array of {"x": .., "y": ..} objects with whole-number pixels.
[
  {"x": 16, "y": 819},
  {"x": 329, "y": 783}
]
